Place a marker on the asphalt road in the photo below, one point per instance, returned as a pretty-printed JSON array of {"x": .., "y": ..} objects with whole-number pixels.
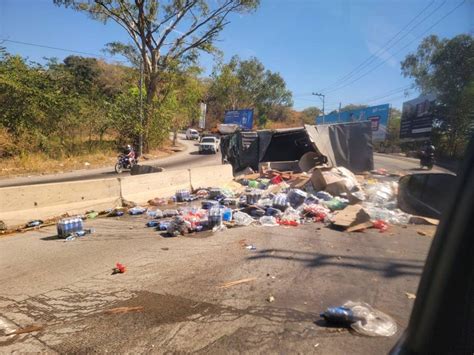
[
  {"x": 67, "y": 288},
  {"x": 190, "y": 158},
  {"x": 187, "y": 158}
]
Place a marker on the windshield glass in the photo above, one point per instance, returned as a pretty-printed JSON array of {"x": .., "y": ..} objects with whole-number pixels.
[{"x": 208, "y": 140}]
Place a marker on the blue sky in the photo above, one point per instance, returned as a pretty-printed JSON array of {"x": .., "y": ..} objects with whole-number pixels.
[{"x": 311, "y": 43}]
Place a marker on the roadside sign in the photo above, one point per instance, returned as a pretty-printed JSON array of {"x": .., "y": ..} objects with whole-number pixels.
[
  {"x": 417, "y": 118},
  {"x": 378, "y": 115},
  {"x": 243, "y": 118}
]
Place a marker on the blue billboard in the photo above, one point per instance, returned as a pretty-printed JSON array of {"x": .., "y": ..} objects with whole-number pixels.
[
  {"x": 243, "y": 118},
  {"x": 378, "y": 115}
]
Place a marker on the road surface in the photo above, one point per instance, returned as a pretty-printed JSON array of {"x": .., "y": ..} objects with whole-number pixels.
[
  {"x": 190, "y": 158},
  {"x": 176, "y": 283},
  {"x": 187, "y": 158}
]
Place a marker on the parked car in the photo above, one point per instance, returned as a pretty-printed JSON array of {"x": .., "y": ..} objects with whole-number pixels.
[
  {"x": 192, "y": 134},
  {"x": 209, "y": 145}
]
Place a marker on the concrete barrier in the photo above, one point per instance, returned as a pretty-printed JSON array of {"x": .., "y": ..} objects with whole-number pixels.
[
  {"x": 211, "y": 176},
  {"x": 21, "y": 204},
  {"x": 142, "y": 188}
]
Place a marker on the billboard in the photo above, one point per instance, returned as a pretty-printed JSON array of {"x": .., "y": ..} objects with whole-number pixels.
[
  {"x": 243, "y": 118},
  {"x": 417, "y": 118},
  {"x": 378, "y": 115}
]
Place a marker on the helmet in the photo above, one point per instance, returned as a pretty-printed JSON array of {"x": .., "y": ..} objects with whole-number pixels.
[{"x": 129, "y": 146}]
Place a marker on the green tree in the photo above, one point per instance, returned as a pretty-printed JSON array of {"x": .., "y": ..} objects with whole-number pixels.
[
  {"x": 393, "y": 129},
  {"x": 309, "y": 114},
  {"x": 445, "y": 67},
  {"x": 152, "y": 26},
  {"x": 247, "y": 84}
]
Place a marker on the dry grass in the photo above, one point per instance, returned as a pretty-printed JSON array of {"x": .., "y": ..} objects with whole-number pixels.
[{"x": 38, "y": 163}]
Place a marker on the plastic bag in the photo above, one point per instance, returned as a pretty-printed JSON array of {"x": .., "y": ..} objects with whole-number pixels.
[
  {"x": 242, "y": 219},
  {"x": 362, "y": 318},
  {"x": 296, "y": 197},
  {"x": 177, "y": 226},
  {"x": 290, "y": 217},
  {"x": 382, "y": 193},
  {"x": 379, "y": 224},
  {"x": 280, "y": 201},
  {"x": 268, "y": 221},
  {"x": 337, "y": 203},
  {"x": 371, "y": 322},
  {"x": 170, "y": 213},
  {"x": 323, "y": 195},
  {"x": 154, "y": 213},
  {"x": 318, "y": 212},
  {"x": 136, "y": 210},
  {"x": 393, "y": 216}
]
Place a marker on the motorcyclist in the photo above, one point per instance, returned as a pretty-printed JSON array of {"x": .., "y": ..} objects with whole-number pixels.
[
  {"x": 427, "y": 155},
  {"x": 129, "y": 152}
]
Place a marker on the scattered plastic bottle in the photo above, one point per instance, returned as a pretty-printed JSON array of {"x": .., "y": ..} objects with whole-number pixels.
[
  {"x": 242, "y": 219},
  {"x": 155, "y": 213},
  {"x": 136, "y": 210},
  {"x": 296, "y": 197},
  {"x": 227, "y": 215},
  {"x": 34, "y": 223},
  {"x": 323, "y": 195},
  {"x": 152, "y": 224}
]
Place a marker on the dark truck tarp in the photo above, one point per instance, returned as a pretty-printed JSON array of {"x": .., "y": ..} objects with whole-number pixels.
[{"x": 347, "y": 144}]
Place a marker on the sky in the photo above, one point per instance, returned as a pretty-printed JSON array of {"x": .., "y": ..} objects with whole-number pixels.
[{"x": 349, "y": 50}]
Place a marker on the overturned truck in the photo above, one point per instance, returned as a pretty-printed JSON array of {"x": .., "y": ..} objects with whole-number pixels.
[{"x": 346, "y": 144}]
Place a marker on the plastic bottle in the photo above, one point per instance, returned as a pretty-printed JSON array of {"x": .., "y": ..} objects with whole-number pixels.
[
  {"x": 296, "y": 197},
  {"x": 227, "y": 215}
]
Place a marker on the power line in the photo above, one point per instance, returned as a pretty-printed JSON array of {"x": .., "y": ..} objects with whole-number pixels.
[
  {"x": 401, "y": 49},
  {"x": 367, "y": 62},
  {"x": 61, "y": 49}
]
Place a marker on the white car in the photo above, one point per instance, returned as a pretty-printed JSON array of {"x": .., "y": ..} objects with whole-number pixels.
[
  {"x": 209, "y": 145},
  {"x": 192, "y": 134}
]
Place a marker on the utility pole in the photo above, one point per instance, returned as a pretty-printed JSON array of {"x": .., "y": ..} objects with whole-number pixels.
[
  {"x": 339, "y": 116},
  {"x": 140, "y": 139},
  {"x": 323, "y": 98}
]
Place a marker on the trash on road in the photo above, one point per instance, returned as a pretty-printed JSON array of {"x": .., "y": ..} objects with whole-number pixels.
[
  {"x": 381, "y": 225},
  {"x": 270, "y": 299},
  {"x": 237, "y": 282},
  {"x": 68, "y": 226},
  {"x": 410, "y": 296},
  {"x": 28, "y": 329},
  {"x": 34, "y": 223},
  {"x": 118, "y": 269},
  {"x": 137, "y": 210},
  {"x": 362, "y": 318}
]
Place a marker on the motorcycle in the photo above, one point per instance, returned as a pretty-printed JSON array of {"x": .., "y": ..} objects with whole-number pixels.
[
  {"x": 427, "y": 160},
  {"x": 123, "y": 162}
]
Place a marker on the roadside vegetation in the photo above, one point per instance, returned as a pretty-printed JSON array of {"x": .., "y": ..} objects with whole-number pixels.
[{"x": 83, "y": 109}]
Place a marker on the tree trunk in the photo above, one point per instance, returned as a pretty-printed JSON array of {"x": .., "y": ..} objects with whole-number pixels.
[
  {"x": 175, "y": 136},
  {"x": 148, "y": 112}
]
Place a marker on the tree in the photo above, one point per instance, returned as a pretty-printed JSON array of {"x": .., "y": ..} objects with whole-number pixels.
[
  {"x": 309, "y": 114},
  {"x": 247, "y": 84},
  {"x": 445, "y": 67},
  {"x": 156, "y": 40},
  {"x": 393, "y": 129}
]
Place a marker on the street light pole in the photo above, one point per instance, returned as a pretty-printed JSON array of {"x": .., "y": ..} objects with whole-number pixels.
[{"x": 323, "y": 98}]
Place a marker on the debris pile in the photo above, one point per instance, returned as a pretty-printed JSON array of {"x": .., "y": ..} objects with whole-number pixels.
[{"x": 271, "y": 198}]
